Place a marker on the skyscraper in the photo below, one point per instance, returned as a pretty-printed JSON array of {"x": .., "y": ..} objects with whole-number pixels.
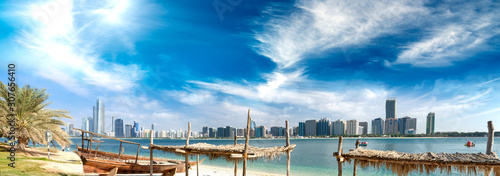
[
  {"x": 113, "y": 124},
  {"x": 275, "y": 131},
  {"x": 339, "y": 127},
  {"x": 431, "y": 117},
  {"x": 135, "y": 130},
  {"x": 302, "y": 130},
  {"x": 402, "y": 122},
  {"x": 119, "y": 128},
  {"x": 311, "y": 127},
  {"x": 212, "y": 132},
  {"x": 352, "y": 127},
  {"x": 94, "y": 120},
  {"x": 411, "y": 126},
  {"x": 205, "y": 131},
  {"x": 378, "y": 126},
  {"x": 99, "y": 117},
  {"x": 260, "y": 131},
  {"x": 390, "y": 108},
  {"x": 220, "y": 132},
  {"x": 128, "y": 130},
  {"x": 391, "y": 126},
  {"x": 323, "y": 127},
  {"x": 152, "y": 126},
  {"x": 84, "y": 123},
  {"x": 91, "y": 124},
  {"x": 365, "y": 128}
]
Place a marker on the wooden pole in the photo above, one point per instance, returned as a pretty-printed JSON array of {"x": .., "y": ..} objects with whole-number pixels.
[
  {"x": 120, "y": 151},
  {"x": 339, "y": 152},
  {"x": 247, "y": 137},
  {"x": 96, "y": 149},
  {"x": 355, "y": 165},
  {"x": 357, "y": 144},
  {"x": 491, "y": 137},
  {"x": 90, "y": 145},
  {"x": 82, "y": 141},
  {"x": 236, "y": 162},
  {"x": 187, "y": 151},
  {"x": 197, "y": 165},
  {"x": 288, "y": 151},
  {"x": 339, "y": 165},
  {"x": 137, "y": 156},
  {"x": 151, "y": 153}
]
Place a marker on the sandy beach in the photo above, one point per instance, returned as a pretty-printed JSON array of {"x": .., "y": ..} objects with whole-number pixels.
[{"x": 222, "y": 171}]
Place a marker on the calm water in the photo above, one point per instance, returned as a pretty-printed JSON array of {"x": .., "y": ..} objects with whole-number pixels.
[{"x": 314, "y": 156}]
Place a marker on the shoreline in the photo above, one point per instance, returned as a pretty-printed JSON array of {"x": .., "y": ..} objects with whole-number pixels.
[{"x": 207, "y": 170}]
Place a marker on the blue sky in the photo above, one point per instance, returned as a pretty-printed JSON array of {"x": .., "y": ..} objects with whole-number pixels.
[{"x": 207, "y": 62}]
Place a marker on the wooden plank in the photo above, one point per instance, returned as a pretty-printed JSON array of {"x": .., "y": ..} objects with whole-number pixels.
[
  {"x": 97, "y": 149},
  {"x": 137, "y": 156},
  {"x": 113, "y": 172},
  {"x": 90, "y": 151},
  {"x": 247, "y": 137},
  {"x": 239, "y": 155}
]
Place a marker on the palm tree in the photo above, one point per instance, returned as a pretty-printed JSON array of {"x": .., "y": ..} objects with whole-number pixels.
[{"x": 33, "y": 118}]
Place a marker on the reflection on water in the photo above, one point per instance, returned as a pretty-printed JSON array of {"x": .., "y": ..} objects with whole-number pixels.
[{"x": 402, "y": 168}]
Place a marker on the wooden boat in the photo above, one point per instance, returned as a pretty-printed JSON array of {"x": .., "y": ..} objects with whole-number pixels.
[{"x": 127, "y": 163}]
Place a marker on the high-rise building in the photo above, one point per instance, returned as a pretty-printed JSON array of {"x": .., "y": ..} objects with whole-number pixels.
[
  {"x": 153, "y": 126},
  {"x": 295, "y": 131},
  {"x": 365, "y": 128},
  {"x": 91, "y": 124},
  {"x": 84, "y": 123},
  {"x": 113, "y": 118},
  {"x": 411, "y": 126},
  {"x": 260, "y": 131},
  {"x": 352, "y": 127},
  {"x": 302, "y": 128},
  {"x": 402, "y": 124},
  {"x": 220, "y": 132},
  {"x": 323, "y": 127},
  {"x": 275, "y": 131},
  {"x": 212, "y": 132},
  {"x": 252, "y": 129},
  {"x": 99, "y": 117},
  {"x": 119, "y": 128},
  {"x": 391, "y": 126},
  {"x": 240, "y": 132},
  {"x": 311, "y": 127},
  {"x": 135, "y": 130},
  {"x": 71, "y": 130},
  {"x": 229, "y": 132},
  {"x": 378, "y": 126},
  {"x": 390, "y": 108},
  {"x": 205, "y": 131},
  {"x": 431, "y": 117},
  {"x": 128, "y": 130},
  {"x": 339, "y": 127}
]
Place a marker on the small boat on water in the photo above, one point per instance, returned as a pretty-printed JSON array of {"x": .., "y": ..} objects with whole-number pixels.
[
  {"x": 363, "y": 143},
  {"x": 469, "y": 144}
]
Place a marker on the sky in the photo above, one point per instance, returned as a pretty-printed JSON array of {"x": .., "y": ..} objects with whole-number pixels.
[{"x": 208, "y": 62}]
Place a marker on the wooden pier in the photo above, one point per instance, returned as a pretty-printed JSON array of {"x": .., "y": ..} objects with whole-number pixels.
[{"x": 406, "y": 163}]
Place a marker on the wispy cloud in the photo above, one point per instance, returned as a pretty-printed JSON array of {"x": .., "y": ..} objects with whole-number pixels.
[{"x": 321, "y": 25}]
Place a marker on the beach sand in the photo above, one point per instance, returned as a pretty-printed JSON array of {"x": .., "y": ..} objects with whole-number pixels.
[{"x": 222, "y": 171}]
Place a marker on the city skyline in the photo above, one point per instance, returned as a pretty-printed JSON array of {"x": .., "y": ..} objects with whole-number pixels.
[{"x": 290, "y": 60}]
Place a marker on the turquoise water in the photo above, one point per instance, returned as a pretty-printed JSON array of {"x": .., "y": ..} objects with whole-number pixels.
[{"x": 314, "y": 156}]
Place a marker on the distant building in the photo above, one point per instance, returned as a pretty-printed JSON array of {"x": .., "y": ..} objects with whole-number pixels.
[
  {"x": 99, "y": 117},
  {"x": 128, "y": 130},
  {"x": 91, "y": 124},
  {"x": 220, "y": 132},
  {"x": 352, "y": 127},
  {"x": 276, "y": 131},
  {"x": 311, "y": 127},
  {"x": 240, "y": 132},
  {"x": 390, "y": 108},
  {"x": 113, "y": 124},
  {"x": 339, "y": 127},
  {"x": 212, "y": 132},
  {"x": 302, "y": 127},
  {"x": 205, "y": 131},
  {"x": 153, "y": 126},
  {"x": 391, "y": 126},
  {"x": 378, "y": 126},
  {"x": 252, "y": 129},
  {"x": 323, "y": 127},
  {"x": 431, "y": 117},
  {"x": 402, "y": 124},
  {"x": 119, "y": 128},
  {"x": 229, "y": 132},
  {"x": 411, "y": 126},
  {"x": 365, "y": 128},
  {"x": 295, "y": 131},
  {"x": 71, "y": 130},
  {"x": 135, "y": 130},
  {"x": 260, "y": 131}
]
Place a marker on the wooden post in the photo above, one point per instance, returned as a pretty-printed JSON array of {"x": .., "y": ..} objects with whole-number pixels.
[
  {"x": 236, "y": 162},
  {"x": 339, "y": 152},
  {"x": 90, "y": 145},
  {"x": 247, "y": 137},
  {"x": 491, "y": 137},
  {"x": 197, "y": 165},
  {"x": 187, "y": 151},
  {"x": 151, "y": 153},
  {"x": 83, "y": 134},
  {"x": 137, "y": 156},
  {"x": 288, "y": 151},
  {"x": 120, "y": 150},
  {"x": 96, "y": 149},
  {"x": 357, "y": 144},
  {"x": 355, "y": 165},
  {"x": 339, "y": 165}
]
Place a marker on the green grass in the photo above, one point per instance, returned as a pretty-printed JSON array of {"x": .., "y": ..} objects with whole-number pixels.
[{"x": 24, "y": 167}]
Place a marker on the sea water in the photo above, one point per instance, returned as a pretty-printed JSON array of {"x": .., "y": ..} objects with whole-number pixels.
[{"x": 310, "y": 156}]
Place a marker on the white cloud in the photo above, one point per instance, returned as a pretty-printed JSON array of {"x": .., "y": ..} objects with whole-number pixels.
[
  {"x": 57, "y": 43},
  {"x": 322, "y": 25},
  {"x": 191, "y": 97}
]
